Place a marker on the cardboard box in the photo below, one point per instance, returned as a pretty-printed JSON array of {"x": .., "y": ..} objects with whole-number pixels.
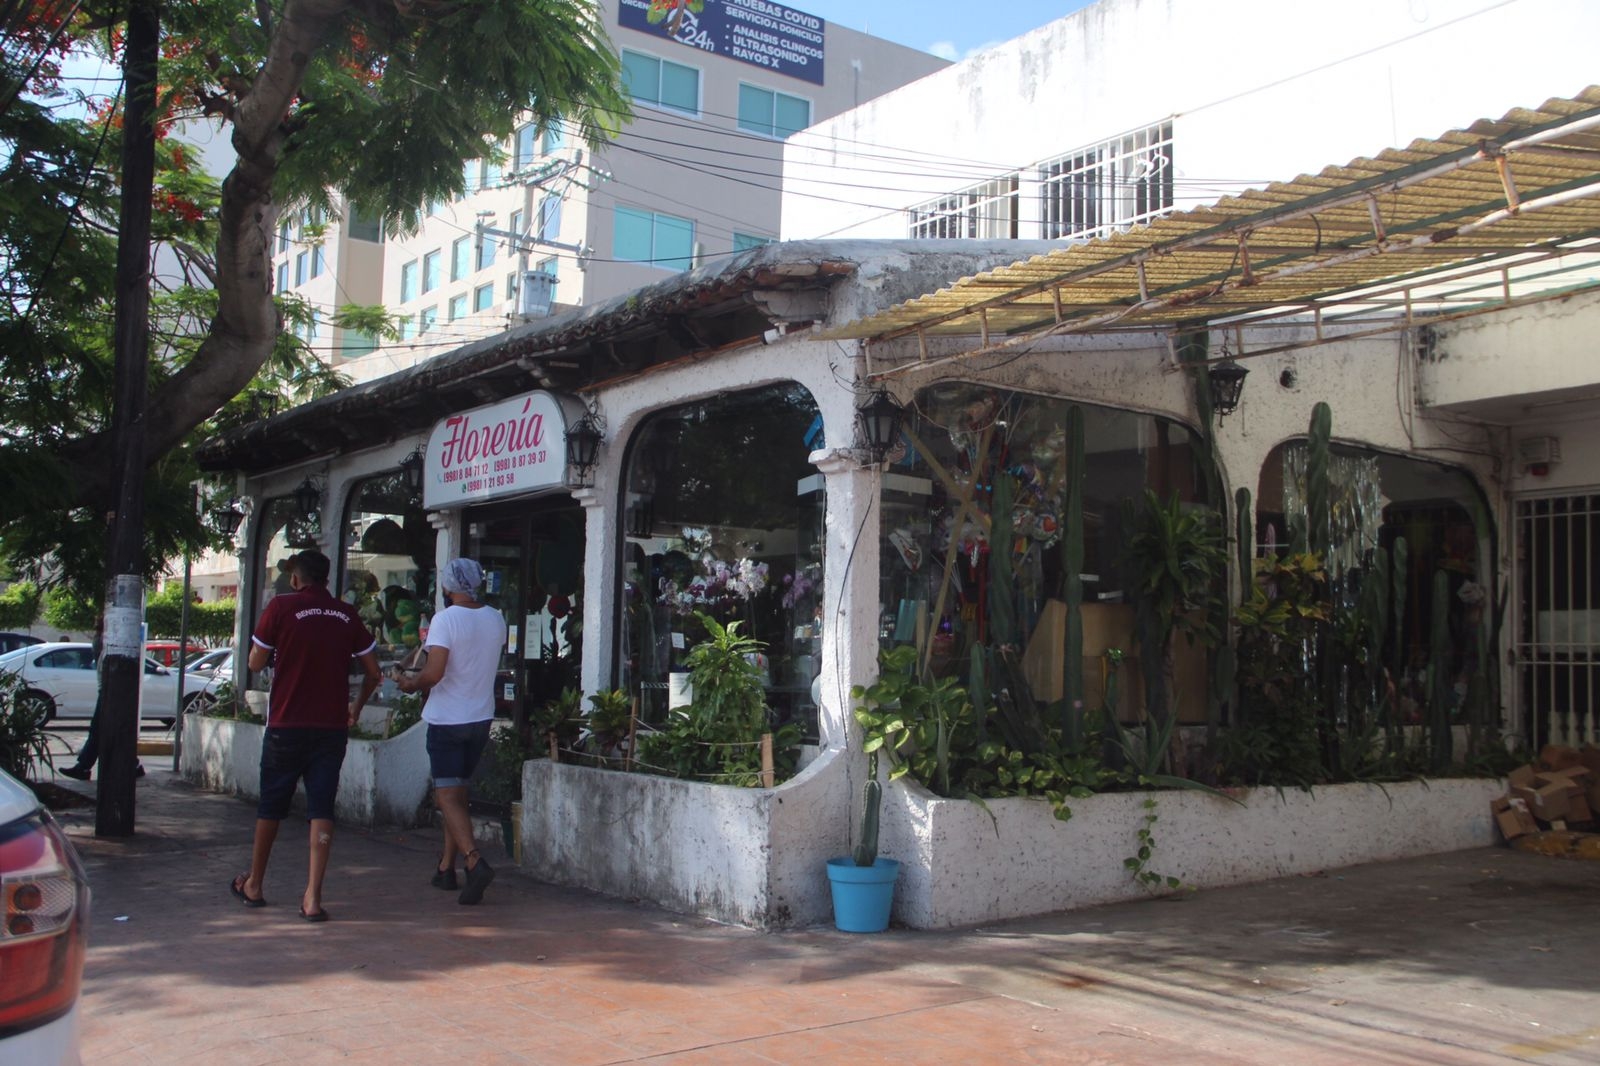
[
  {"x": 1548, "y": 802},
  {"x": 1576, "y": 780},
  {"x": 1513, "y": 817},
  {"x": 1522, "y": 777},
  {"x": 1589, "y": 756},
  {"x": 1558, "y": 757}
]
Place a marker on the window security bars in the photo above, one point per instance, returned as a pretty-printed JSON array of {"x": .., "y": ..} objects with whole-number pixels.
[
  {"x": 1097, "y": 190},
  {"x": 1558, "y": 623},
  {"x": 987, "y": 210}
]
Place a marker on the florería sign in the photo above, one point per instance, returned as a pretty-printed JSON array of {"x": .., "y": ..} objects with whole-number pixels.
[
  {"x": 757, "y": 32},
  {"x": 505, "y": 449}
]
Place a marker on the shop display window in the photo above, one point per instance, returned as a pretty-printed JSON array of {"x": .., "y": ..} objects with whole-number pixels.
[
  {"x": 1376, "y": 499},
  {"x": 280, "y": 533},
  {"x": 974, "y": 509},
  {"x": 722, "y": 514},
  {"x": 386, "y": 568}
]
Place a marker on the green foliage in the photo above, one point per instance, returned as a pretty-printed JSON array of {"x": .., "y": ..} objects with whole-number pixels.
[
  {"x": 19, "y": 605},
  {"x": 718, "y": 737},
  {"x": 1138, "y": 864},
  {"x": 865, "y": 852},
  {"x": 562, "y": 716},
  {"x": 66, "y": 608},
  {"x": 1072, "y": 569},
  {"x": 499, "y": 779},
  {"x": 24, "y": 740},
  {"x": 163, "y": 613},
  {"x": 405, "y": 711}
]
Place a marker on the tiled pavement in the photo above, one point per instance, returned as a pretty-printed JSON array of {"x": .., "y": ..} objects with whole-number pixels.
[{"x": 1478, "y": 957}]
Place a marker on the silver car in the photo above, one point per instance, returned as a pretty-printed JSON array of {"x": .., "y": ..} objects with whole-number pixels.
[{"x": 62, "y": 677}]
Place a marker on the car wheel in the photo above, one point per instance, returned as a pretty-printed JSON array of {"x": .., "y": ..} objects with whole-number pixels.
[
  {"x": 195, "y": 703},
  {"x": 38, "y": 703}
]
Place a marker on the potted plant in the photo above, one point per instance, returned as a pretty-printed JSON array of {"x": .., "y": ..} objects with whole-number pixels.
[{"x": 862, "y": 882}]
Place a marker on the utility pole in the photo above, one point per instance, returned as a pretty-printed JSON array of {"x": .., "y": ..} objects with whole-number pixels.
[{"x": 122, "y": 667}]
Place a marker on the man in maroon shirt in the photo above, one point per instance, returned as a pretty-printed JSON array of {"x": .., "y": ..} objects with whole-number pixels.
[{"x": 310, "y": 638}]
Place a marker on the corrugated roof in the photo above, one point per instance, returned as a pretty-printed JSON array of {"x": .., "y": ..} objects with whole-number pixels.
[{"x": 1379, "y": 233}]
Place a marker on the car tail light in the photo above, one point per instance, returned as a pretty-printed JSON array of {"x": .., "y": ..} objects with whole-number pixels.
[{"x": 44, "y": 923}]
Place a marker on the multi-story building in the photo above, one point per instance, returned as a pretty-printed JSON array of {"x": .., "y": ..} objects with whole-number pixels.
[{"x": 695, "y": 175}]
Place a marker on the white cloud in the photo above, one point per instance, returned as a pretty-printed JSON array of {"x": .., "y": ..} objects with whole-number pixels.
[{"x": 944, "y": 50}]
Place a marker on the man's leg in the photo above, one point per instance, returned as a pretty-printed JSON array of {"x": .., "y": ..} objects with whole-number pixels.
[
  {"x": 321, "y": 846},
  {"x": 452, "y": 801},
  {"x": 260, "y": 852}
]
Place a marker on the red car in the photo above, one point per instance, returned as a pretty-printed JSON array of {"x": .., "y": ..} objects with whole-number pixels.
[{"x": 165, "y": 652}]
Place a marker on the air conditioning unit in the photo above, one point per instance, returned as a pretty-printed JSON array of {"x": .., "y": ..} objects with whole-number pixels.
[
  {"x": 1537, "y": 451},
  {"x": 538, "y": 293}
]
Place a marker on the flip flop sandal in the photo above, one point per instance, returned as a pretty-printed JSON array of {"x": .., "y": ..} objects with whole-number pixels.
[
  {"x": 236, "y": 886},
  {"x": 316, "y": 916}
]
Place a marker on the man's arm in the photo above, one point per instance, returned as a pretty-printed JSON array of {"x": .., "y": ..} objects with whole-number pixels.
[
  {"x": 369, "y": 684},
  {"x": 259, "y": 657},
  {"x": 432, "y": 671}
]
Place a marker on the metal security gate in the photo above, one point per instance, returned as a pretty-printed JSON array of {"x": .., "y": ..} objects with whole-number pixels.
[{"x": 1558, "y": 624}]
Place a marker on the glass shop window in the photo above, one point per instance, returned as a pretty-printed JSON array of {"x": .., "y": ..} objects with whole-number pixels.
[
  {"x": 974, "y": 509},
  {"x": 386, "y": 568},
  {"x": 282, "y": 532},
  {"x": 1375, "y": 501},
  {"x": 723, "y": 515}
]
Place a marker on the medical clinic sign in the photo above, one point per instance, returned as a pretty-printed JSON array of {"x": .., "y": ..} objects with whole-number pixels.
[
  {"x": 757, "y": 32},
  {"x": 506, "y": 449}
]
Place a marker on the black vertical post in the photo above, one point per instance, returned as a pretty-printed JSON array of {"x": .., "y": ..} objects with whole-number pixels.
[{"x": 122, "y": 668}]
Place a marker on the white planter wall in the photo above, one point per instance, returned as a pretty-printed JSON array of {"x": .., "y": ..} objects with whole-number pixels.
[{"x": 382, "y": 782}]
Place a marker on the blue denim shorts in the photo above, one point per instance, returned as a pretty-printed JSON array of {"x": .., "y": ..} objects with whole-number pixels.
[
  {"x": 454, "y": 751},
  {"x": 287, "y": 756}
]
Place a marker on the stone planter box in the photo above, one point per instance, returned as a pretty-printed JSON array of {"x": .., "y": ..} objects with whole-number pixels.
[
  {"x": 757, "y": 857},
  {"x": 383, "y": 782}
]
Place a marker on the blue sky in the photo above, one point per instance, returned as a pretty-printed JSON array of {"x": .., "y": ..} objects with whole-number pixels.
[{"x": 953, "y": 29}]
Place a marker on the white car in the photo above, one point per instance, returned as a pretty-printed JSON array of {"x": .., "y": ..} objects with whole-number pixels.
[
  {"x": 45, "y": 934},
  {"x": 63, "y": 676}
]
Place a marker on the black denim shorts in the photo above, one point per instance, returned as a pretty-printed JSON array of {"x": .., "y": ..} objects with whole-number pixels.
[
  {"x": 287, "y": 756},
  {"x": 454, "y": 751}
]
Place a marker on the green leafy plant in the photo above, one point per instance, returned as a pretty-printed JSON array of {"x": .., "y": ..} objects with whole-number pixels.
[
  {"x": 405, "y": 711},
  {"x": 561, "y": 716},
  {"x": 1138, "y": 864},
  {"x": 498, "y": 783},
  {"x": 928, "y": 727},
  {"x": 610, "y": 720},
  {"x": 24, "y": 740}
]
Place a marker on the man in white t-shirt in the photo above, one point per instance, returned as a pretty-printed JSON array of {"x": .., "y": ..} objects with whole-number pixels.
[{"x": 464, "y": 644}]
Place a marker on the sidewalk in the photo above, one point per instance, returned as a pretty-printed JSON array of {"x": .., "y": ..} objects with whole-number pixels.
[{"x": 1486, "y": 956}]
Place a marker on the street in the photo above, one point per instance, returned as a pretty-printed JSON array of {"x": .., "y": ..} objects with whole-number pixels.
[{"x": 1483, "y": 956}]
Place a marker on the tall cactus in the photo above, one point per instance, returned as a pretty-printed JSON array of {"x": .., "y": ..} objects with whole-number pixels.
[
  {"x": 865, "y": 852},
  {"x": 1440, "y": 741},
  {"x": 1318, "y": 526},
  {"x": 1244, "y": 541},
  {"x": 1072, "y": 727}
]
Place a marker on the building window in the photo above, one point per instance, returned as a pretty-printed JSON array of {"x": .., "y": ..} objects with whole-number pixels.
[
  {"x": 283, "y": 236},
  {"x": 487, "y": 246},
  {"x": 426, "y": 319},
  {"x": 283, "y": 276},
  {"x": 550, "y": 218},
  {"x": 661, "y": 82},
  {"x": 987, "y": 210},
  {"x": 1105, "y": 187},
  {"x": 300, "y": 269},
  {"x": 408, "y": 327},
  {"x": 1016, "y": 443},
  {"x": 771, "y": 113},
  {"x": 362, "y": 228},
  {"x": 657, "y": 239},
  {"x": 547, "y": 266},
  {"x": 355, "y": 344},
  {"x": 471, "y": 177},
  {"x": 458, "y": 307},
  {"x": 708, "y": 531},
  {"x": 313, "y": 328},
  {"x": 743, "y": 242},
  {"x": 554, "y": 137},
  {"x": 386, "y": 568},
  {"x": 408, "y": 282},
  {"x": 526, "y": 147},
  {"x": 460, "y": 258},
  {"x": 318, "y": 263},
  {"x": 511, "y": 286},
  {"x": 430, "y": 270},
  {"x": 483, "y": 297}
]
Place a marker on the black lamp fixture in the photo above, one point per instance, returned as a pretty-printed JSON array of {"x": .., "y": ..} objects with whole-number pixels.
[
  {"x": 228, "y": 517},
  {"x": 583, "y": 444},
  {"x": 1226, "y": 379},
  {"x": 411, "y": 473},
  {"x": 307, "y": 498},
  {"x": 878, "y": 421}
]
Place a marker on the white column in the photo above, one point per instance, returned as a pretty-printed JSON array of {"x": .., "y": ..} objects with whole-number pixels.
[
  {"x": 446, "y": 546},
  {"x": 850, "y": 585},
  {"x": 600, "y": 587}
]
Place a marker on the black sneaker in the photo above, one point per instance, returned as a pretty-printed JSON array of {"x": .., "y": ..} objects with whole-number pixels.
[
  {"x": 478, "y": 878},
  {"x": 77, "y": 773},
  {"x": 445, "y": 879}
]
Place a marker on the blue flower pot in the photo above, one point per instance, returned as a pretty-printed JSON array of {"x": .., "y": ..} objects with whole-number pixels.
[{"x": 862, "y": 895}]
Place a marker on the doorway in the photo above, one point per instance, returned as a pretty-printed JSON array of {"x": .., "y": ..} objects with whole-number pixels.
[{"x": 532, "y": 554}]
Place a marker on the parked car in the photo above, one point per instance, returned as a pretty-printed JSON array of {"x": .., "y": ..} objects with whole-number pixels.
[
  {"x": 13, "y": 641},
  {"x": 165, "y": 652},
  {"x": 217, "y": 665},
  {"x": 46, "y": 932},
  {"x": 63, "y": 675}
]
